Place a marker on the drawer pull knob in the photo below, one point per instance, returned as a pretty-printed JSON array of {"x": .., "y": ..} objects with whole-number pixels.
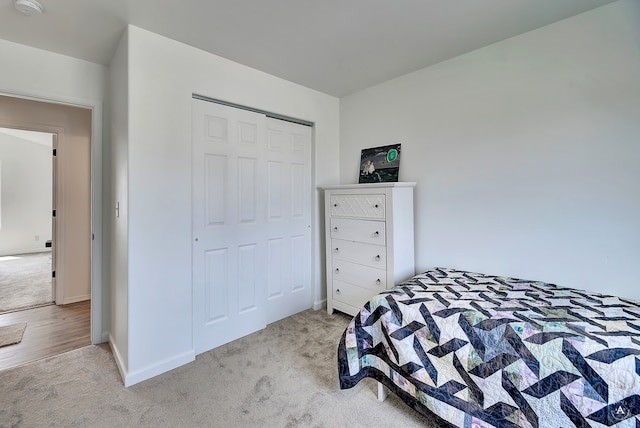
[
  {"x": 377, "y": 233},
  {"x": 335, "y": 229},
  {"x": 378, "y": 282},
  {"x": 377, "y": 257},
  {"x": 337, "y": 270},
  {"x": 337, "y": 291},
  {"x": 335, "y": 205},
  {"x": 376, "y": 206},
  {"x": 337, "y": 249}
]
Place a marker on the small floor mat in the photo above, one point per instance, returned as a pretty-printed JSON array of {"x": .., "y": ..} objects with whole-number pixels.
[{"x": 12, "y": 334}]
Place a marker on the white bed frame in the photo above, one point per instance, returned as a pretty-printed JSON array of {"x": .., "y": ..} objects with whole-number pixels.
[{"x": 382, "y": 392}]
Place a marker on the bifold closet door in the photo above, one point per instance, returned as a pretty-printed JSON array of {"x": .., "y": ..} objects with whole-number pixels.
[
  {"x": 249, "y": 193},
  {"x": 288, "y": 218}
]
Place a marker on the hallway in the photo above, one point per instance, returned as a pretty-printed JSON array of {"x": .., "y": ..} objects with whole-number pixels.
[
  {"x": 25, "y": 281},
  {"x": 51, "y": 330}
]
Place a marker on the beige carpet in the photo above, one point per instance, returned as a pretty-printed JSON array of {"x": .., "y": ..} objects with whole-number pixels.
[
  {"x": 11, "y": 334},
  {"x": 283, "y": 376},
  {"x": 25, "y": 281}
]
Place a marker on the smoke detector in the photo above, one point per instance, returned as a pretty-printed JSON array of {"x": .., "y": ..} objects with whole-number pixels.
[{"x": 29, "y": 7}]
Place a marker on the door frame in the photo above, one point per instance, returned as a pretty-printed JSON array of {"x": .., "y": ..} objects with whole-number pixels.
[
  {"x": 98, "y": 334},
  {"x": 54, "y": 223}
]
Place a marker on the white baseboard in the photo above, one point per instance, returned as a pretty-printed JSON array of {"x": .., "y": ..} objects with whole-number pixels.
[
  {"x": 320, "y": 305},
  {"x": 122, "y": 367},
  {"x": 158, "y": 368},
  {"x": 24, "y": 251},
  {"x": 75, "y": 299},
  {"x": 131, "y": 378}
]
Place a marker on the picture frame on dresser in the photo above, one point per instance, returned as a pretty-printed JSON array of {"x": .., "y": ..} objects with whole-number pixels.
[
  {"x": 369, "y": 238},
  {"x": 380, "y": 164}
]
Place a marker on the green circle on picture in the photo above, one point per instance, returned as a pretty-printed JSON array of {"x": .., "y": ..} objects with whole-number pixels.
[{"x": 392, "y": 155}]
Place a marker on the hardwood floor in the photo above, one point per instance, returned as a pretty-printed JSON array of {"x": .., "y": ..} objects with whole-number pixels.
[{"x": 51, "y": 330}]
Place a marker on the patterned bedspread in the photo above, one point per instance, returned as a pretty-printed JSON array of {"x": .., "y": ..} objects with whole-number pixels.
[{"x": 480, "y": 351}]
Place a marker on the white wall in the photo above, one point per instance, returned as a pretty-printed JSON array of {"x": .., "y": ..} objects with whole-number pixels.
[
  {"x": 163, "y": 75},
  {"x": 34, "y": 73},
  {"x": 118, "y": 226},
  {"x": 526, "y": 152},
  {"x": 26, "y": 186}
]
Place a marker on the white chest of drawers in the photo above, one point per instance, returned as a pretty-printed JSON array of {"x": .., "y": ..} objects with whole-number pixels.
[{"x": 369, "y": 241}]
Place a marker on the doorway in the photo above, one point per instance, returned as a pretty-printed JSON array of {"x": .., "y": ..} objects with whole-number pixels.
[
  {"x": 70, "y": 223},
  {"x": 26, "y": 226},
  {"x": 72, "y": 213}
]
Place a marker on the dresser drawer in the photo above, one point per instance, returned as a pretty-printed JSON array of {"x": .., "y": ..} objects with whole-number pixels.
[
  {"x": 358, "y": 252},
  {"x": 352, "y": 294},
  {"x": 367, "y": 231},
  {"x": 363, "y": 276},
  {"x": 363, "y": 206}
]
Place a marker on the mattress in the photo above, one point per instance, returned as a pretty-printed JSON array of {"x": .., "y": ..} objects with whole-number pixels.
[{"x": 480, "y": 350}]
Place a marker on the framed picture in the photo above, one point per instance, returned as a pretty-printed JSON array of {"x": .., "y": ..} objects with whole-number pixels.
[{"x": 380, "y": 164}]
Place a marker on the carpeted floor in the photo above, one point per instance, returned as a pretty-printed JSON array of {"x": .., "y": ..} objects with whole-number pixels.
[
  {"x": 283, "y": 376},
  {"x": 25, "y": 281}
]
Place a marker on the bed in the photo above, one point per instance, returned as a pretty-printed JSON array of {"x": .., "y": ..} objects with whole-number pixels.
[{"x": 479, "y": 350}]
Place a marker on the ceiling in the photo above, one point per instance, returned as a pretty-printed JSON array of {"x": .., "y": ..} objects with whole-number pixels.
[{"x": 334, "y": 46}]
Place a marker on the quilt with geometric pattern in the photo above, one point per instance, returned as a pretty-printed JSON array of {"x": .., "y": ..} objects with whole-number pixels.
[{"x": 489, "y": 351}]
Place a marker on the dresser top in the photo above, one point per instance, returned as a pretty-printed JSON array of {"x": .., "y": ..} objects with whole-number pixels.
[{"x": 370, "y": 185}]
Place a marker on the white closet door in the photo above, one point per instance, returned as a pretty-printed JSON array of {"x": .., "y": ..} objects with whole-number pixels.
[
  {"x": 229, "y": 224},
  {"x": 288, "y": 218},
  {"x": 251, "y": 222}
]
